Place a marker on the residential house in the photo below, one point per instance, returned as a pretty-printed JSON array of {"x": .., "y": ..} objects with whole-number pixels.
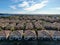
[
  {"x": 56, "y": 35},
  {"x": 30, "y": 34},
  {"x": 43, "y": 34},
  {"x": 29, "y": 25},
  {"x": 15, "y": 35},
  {"x": 2, "y": 35}
]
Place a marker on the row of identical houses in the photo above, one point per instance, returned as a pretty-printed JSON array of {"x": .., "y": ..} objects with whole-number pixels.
[
  {"x": 17, "y": 35},
  {"x": 49, "y": 35},
  {"x": 29, "y": 24},
  {"x": 29, "y": 35}
]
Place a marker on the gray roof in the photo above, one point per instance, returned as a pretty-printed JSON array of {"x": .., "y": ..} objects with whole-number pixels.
[
  {"x": 56, "y": 33},
  {"x": 43, "y": 33},
  {"x": 2, "y": 34},
  {"x": 29, "y": 25},
  {"x": 37, "y": 24},
  {"x": 15, "y": 34},
  {"x": 30, "y": 33}
]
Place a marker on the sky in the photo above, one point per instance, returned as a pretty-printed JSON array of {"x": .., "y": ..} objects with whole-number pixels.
[{"x": 30, "y": 6}]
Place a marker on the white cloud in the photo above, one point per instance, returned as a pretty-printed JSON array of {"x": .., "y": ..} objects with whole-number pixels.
[
  {"x": 29, "y": 5},
  {"x": 32, "y": 2},
  {"x": 18, "y": 12},
  {"x": 44, "y": 12},
  {"x": 13, "y": 7},
  {"x": 24, "y": 4},
  {"x": 56, "y": 8},
  {"x": 37, "y": 6}
]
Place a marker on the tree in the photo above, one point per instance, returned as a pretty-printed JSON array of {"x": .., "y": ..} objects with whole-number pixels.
[{"x": 12, "y": 28}]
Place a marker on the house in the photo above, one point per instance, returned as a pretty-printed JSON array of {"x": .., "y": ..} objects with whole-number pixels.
[
  {"x": 2, "y": 20},
  {"x": 4, "y": 24},
  {"x": 57, "y": 25},
  {"x": 12, "y": 20},
  {"x": 30, "y": 34},
  {"x": 52, "y": 26},
  {"x": 56, "y": 35},
  {"x": 51, "y": 32},
  {"x": 29, "y": 25},
  {"x": 27, "y": 21},
  {"x": 1, "y": 24},
  {"x": 6, "y": 20},
  {"x": 20, "y": 26},
  {"x": 30, "y": 17},
  {"x": 49, "y": 26},
  {"x": 33, "y": 21},
  {"x": 43, "y": 34},
  {"x": 7, "y": 32},
  {"x": 38, "y": 25},
  {"x": 9, "y": 26},
  {"x": 36, "y": 17},
  {"x": 2, "y": 35},
  {"x": 16, "y": 35}
]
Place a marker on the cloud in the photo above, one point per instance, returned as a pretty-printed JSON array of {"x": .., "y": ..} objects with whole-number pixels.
[
  {"x": 44, "y": 12},
  {"x": 18, "y": 12},
  {"x": 56, "y": 8},
  {"x": 24, "y": 4},
  {"x": 37, "y": 6},
  {"x": 13, "y": 7},
  {"x": 29, "y": 5},
  {"x": 32, "y": 2}
]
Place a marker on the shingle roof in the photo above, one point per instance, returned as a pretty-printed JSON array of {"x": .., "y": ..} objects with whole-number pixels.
[
  {"x": 29, "y": 33},
  {"x": 2, "y": 33},
  {"x": 15, "y": 34},
  {"x": 43, "y": 34}
]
